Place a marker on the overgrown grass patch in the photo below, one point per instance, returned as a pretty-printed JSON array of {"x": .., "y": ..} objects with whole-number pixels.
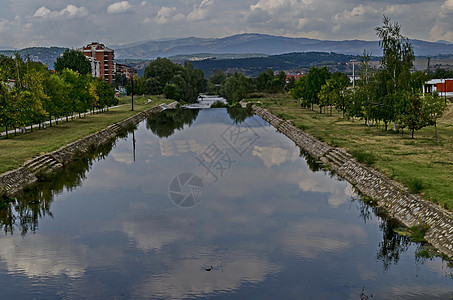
[
  {"x": 415, "y": 185},
  {"x": 365, "y": 157},
  {"x": 415, "y": 233}
]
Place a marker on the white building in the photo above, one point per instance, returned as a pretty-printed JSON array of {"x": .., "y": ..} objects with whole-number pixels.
[{"x": 444, "y": 87}]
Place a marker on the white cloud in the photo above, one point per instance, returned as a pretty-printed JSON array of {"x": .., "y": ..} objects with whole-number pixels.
[
  {"x": 71, "y": 11},
  {"x": 119, "y": 7},
  {"x": 324, "y": 19},
  {"x": 442, "y": 29},
  {"x": 275, "y": 156},
  {"x": 200, "y": 12},
  {"x": 447, "y": 6},
  {"x": 164, "y": 14},
  {"x": 357, "y": 14},
  {"x": 3, "y": 25},
  {"x": 42, "y": 12}
]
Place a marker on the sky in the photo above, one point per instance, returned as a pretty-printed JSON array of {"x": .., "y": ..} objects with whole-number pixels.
[{"x": 73, "y": 23}]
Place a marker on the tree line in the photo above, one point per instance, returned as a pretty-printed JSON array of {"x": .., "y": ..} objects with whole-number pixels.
[
  {"x": 235, "y": 87},
  {"x": 388, "y": 95},
  {"x": 176, "y": 82},
  {"x": 32, "y": 94}
]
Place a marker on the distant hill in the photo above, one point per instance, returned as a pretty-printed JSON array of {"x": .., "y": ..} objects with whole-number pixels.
[
  {"x": 290, "y": 62},
  {"x": 45, "y": 55},
  {"x": 266, "y": 44}
]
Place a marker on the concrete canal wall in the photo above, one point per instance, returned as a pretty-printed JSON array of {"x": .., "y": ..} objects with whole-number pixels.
[
  {"x": 409, "y": 209},
  {"x": 14, "y": 181}
]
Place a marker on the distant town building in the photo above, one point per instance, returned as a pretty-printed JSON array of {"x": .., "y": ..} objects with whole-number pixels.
[
  {"x": 294, "y": 77},
  {"x": 444, "y": 87},
  {"x": 102, "y": 60},
  {"x": 128, "y": 71}
]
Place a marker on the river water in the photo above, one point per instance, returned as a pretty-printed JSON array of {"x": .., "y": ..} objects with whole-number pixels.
[{"x": 206, "y": 204}]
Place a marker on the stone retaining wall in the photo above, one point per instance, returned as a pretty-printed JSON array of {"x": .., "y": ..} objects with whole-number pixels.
[
  {"x": 410, "y": 210},
  {"x": 14, "y": 181}
]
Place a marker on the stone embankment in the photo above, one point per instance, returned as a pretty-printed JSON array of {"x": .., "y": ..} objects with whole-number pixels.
[
  {"x": 14, "y": 181},
  {"x": 410, "y": 210}
]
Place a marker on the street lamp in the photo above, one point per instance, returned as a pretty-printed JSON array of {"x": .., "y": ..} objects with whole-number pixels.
[{"x": 132, "y": 91}]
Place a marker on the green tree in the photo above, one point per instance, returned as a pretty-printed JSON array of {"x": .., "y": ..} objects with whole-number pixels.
[
  {"x": 57, "y": 91},
  {"x": 74, "y": 60},
  {"x": 270, "y": 83},
  {"x": 105, "y": 93},
  {"x": 6, "y": 108},
  {"x": 215, "y": 82},
  {"x": 397, "y": 61},
  {"x": 78, "y": 94},
  {"x": 162, "y": 70},
  {"x": 332, "y": 93},
  {"x": 308, "y": 87},
  {"x": 434, "y": 107},
  {"x": 414, "y": 117},
  {"x": 264, "y": 79},
  {"x": 172, "y": 91},
  {"x": 235, "y": 87}
]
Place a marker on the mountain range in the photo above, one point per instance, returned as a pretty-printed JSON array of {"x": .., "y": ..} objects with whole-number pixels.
[
  {"x": 265, "y": 44},
  {"x": 237, "y": 47}
]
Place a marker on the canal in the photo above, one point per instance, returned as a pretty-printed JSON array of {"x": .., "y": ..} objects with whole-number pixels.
[{"x": 209, "y": 203}]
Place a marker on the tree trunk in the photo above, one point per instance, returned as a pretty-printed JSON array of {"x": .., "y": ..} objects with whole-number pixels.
[
  {"x": 6, "y": 127},
  {"x": 31, "y": 128},
  {"x": 435, "y": 130},
  {"x": 394, "y": 126},
  {"x": 385, "y": 123},
  {"x": 50, "y": 121}
]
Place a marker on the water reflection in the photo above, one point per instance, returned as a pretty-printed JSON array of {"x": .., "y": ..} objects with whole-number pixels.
[
  {"x": 269, "y": 228},
  {"x": 34, "y": 202},
  {"x": 168, "y": 121},
  {"x": 239, "y": 115},
  {"x": 392, "y": 245}
]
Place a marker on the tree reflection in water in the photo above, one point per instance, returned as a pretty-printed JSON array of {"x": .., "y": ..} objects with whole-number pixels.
[
  {"x": 168, "y": 121},
  {"x": 238, "y": 114},
  {"x": 392, "y": 244},
  {"x": 34, "y": 202},
  {"x": 313, "y": 163}
]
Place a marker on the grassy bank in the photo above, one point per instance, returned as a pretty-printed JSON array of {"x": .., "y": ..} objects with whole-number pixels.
[
  {"x": 16, "y": 150},
  {"x": 421, "y": 164}
]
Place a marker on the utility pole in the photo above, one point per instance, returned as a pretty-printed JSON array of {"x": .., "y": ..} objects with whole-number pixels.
[{"x": 132, "y": 91}]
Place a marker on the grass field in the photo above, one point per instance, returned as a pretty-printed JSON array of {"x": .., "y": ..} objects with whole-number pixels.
[
  {"x": 421, "y": 164},
  {"x": 16, "y": 150}
]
